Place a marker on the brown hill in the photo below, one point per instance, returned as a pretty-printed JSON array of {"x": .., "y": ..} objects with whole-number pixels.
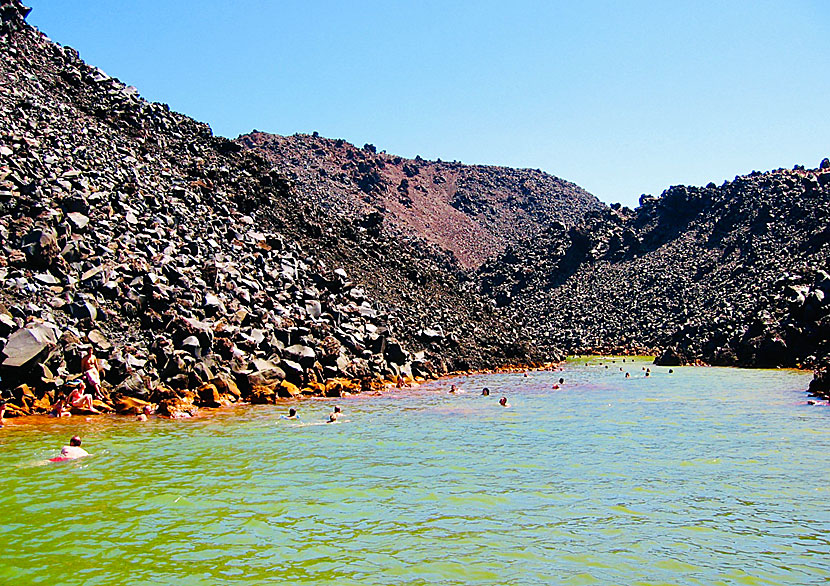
[{"x": 473, "y": 211}]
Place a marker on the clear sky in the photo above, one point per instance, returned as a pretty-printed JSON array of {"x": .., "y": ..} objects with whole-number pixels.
[{"x": 621, "y": 97}]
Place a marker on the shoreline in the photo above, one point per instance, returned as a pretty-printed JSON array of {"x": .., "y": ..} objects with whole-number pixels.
[{"x": 376, "y": 388}]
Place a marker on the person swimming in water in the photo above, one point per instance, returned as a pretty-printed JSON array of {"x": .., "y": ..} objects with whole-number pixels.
[
  {"x": 453, "y": 389},
  {"x": 292, "y": 414},
  {"x": 73, "y": 450},
  {"x": 145, "y": 413},
  {"x": 334, "y": 414},
  {"x": 503, "y": 402},
  {"x": 485, "y": 392}
]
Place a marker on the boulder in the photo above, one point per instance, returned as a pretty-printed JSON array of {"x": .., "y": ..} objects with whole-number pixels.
[
  {"x": 288, "y": 390},
  {"x": 670, "y": 357},
  {"x": 394, "y": 352},
  {"x": 209, "y": 396},
  {"x": 129, "y": 405},
  {"x": 41, "y": 247},
  {"x": 293, "y": 372},
  {"x": 25, "y": 344}
]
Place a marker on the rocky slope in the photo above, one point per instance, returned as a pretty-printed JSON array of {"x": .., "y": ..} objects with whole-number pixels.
[
  {"x": 732, "y": 274},
  {"x": 473, "y": 211},
  {"x": 198, "y": 272}
]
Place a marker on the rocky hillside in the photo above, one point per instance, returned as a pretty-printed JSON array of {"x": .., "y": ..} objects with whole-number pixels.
[
  {"x": 198, "y": 272},
  {"x": 472, "y": 211},
  {"x": 733, "y": 274}
]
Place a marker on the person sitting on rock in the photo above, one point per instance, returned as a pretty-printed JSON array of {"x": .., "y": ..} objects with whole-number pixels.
[
  {"x": 74, "y": 449},
  {"x": 80, "y": 400},
  {"x": 59, "y": 409},
  {"x": 91, "y": 369},
  {"x": 2, "y": 411},
  {"x": 292, "y": 414}
]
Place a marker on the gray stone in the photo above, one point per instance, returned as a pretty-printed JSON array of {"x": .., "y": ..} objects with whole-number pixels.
[{"x": 23, "y": 345}]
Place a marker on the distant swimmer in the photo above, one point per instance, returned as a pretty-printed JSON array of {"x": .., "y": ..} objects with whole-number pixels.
[
  {"x": 453, "y": 389},
  {"x": 671, "y": 371},
  {"x": 334, "y": 414},
  {"x": 72, "y": 451},
  {"x": 627, "y": 375},
  {"x": 145, "y": 413},
  {"x": 292, "y": 414},
  {"x": 561, "y": 381},
  {"x": 555, "y": 387},
  {"x": 485, "y": 392},
  {"x": 503, "y": 402}
]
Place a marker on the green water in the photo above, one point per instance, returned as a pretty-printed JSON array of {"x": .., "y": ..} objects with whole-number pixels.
[{"x": 705, "y": 476}]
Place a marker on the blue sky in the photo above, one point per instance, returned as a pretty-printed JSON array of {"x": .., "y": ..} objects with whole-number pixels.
[{"x": 622, "y": 98}]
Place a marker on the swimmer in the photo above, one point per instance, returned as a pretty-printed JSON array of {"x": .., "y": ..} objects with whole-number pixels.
[
  {"x": 503, "y": 402},
  {"x": 627, "y": 375},
  {"x": 671, "y": 371},
  {"x": 73, "y": 450},
  {"x": 453, "y": 389},
  {"x": 145, "y": 413},
  {"x": 485, "y": 392},
  {"x": 292, "y": 414},
  {"x": 555, "y": 387},
  {"x": 334, "y": 414},
  {"x": 561, "y": 381},
  {"x": 648, "y": 374}
]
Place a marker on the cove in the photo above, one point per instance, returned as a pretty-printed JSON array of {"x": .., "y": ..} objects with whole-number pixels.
[{"x": 702, "y": 476}]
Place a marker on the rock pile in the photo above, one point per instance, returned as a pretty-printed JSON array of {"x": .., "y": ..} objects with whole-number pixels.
[
  {"x": 729, "y": 275},
  {"x": 473, "y": 211},
  {"x": 199, "y": 274}
]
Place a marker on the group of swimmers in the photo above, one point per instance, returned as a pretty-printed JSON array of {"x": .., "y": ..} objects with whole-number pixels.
[
  {"x": 333, "y": 416},
  {"x": 485, "y": 392}
]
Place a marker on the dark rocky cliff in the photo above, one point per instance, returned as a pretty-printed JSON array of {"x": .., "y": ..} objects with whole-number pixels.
[{"x": 732, "y": 274}]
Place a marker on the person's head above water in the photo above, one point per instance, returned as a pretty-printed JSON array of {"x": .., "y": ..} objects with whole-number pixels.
[
  {"x": 485, "y": 391},
  {"x": 292, "y": 412},
  {"x": 337, "y": 409},
  {"x": 75, "y": 441},
  {"x": 503, "y": 401}
]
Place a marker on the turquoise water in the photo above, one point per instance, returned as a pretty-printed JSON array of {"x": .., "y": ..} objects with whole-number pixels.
[{"x": 704, "y": 476}]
